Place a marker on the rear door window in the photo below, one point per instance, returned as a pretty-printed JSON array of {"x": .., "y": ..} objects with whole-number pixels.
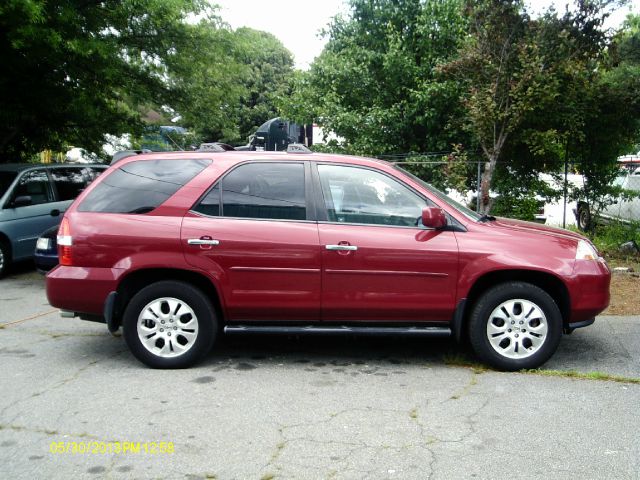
[
  {"x": 259, "y": 190},
  {"x": 141, "y": 186},
  {"x": 69, "y": 182},
  {"x": 92, "y": 173},
  {"x": 35, "y": 185}
]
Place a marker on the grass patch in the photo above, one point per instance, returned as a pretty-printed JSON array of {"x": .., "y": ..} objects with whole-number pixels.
[
  {"x": 458, "y": 360},
  {"x": 584, "y": 376},
  {"x": 608, "y": 237}
]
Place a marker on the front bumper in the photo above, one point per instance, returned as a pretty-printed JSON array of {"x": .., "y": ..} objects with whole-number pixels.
[{"x": 589, "y": 290}]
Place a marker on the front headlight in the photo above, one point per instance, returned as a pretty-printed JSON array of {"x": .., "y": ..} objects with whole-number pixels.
[{"x": 586, "y": 251}]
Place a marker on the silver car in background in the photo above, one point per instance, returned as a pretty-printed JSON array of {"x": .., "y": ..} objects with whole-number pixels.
[{"x": 33, "y": 198}]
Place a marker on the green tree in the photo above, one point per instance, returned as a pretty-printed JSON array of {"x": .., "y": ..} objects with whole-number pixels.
[
  {"x": 626, "y": 43},
  {"x": 270, "y": 69},
  {"x": 507, "y": 76},
  {"x": 376, "y": 83},
  {"x": 538, "y": 92},
  {"x": 77, "y": 70},
  {"x": 611, "y": 121},
  {"x": 227, "y": 84},
  {"x": 205, "y": 78}
]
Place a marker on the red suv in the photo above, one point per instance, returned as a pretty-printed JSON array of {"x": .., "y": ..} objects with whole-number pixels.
[{"x": 178, "y": 247}]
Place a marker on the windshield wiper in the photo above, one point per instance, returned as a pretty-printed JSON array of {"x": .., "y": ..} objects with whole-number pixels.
[{"x": 486, "y": 218}]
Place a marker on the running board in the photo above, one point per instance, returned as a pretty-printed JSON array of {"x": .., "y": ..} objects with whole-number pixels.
[{"x": 339, "y": 330}]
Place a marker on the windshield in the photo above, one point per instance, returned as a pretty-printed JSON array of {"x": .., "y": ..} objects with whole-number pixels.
[
  {"x": 5, "y": 180},
  {"x": 467, "y": 212}
]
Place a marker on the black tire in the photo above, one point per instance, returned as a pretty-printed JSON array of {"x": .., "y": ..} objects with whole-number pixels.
[
  {"x": 5, "y": 258},
  {"x": 584, "y": 217},
  {"x": 157, "y": 297},
  {"x": 516, "y": 348}
]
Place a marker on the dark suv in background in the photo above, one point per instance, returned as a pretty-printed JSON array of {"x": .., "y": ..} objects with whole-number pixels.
[
  {"x": 178, "y": 247},
  {"x": 32, "y": 199}
]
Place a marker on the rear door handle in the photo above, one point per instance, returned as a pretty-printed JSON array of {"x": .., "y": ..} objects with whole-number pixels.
[
  {"x": 349, "y": 248},
  {"x": 203, "y": 241}
]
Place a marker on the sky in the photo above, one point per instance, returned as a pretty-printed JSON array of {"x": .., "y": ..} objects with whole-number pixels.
[{"x": 297, "y": 23}]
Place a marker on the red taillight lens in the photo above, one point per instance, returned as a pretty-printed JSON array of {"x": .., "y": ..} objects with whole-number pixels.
[{"x": 65, "y": 241}]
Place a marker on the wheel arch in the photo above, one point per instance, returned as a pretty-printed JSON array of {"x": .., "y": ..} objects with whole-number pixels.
[
  {"x": 4, "y": 240},
  {"x": 548, "y": 282},
  {"x": 135, "y": 281}
]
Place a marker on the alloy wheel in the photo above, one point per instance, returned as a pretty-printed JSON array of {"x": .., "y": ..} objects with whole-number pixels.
[
  {"x": 517, "y": 328},
  {"x": 167, "y": 327}
]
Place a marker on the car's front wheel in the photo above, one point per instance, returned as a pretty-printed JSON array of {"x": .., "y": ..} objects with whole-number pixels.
[
  {"x": 169, "y": 324},
  {"x": 515, "y": 325}
]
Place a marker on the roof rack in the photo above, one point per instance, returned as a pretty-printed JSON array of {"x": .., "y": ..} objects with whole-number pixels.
[
  {"x": 126, "y": 153},
  {"x": 298, "y": 148},
  {"x": 215, "y": 147}
]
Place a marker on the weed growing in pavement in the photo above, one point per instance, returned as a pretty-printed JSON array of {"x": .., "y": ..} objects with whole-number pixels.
[
  {"x": 584, "y": 376},
  {"x": 458, "y": 360}
]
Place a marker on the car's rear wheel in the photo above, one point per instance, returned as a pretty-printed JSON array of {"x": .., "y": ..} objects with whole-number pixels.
[
  {"x": 515, "y": 326},
  {"x": 584, "y": 217},
  {"x": 169, "y": 324},
  {"x": 5, "y": 258}
]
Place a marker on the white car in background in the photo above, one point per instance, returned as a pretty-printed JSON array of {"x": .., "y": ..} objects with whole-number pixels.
[
  {"x": 625, "y": 210},
  {"x": 553, "y": 212},
  {"x": 579, "y": 213}
]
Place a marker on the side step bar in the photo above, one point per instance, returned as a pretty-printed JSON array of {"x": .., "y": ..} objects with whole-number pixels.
[{"x": 338, "y": 330}]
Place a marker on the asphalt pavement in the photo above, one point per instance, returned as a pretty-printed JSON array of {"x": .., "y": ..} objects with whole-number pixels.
[{"x": 73, "y": 399}]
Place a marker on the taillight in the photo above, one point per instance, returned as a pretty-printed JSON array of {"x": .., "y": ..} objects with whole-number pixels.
[{"x": 65, "y": 241}]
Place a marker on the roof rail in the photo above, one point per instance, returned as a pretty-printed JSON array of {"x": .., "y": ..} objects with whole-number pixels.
[
  {"x": 126, "y": 153},
  {"x": 298, "y": 148},
  {"x": 215, "y": 147}
]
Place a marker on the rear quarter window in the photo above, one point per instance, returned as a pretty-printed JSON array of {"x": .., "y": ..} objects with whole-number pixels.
[{"x": 141, "y": 186}]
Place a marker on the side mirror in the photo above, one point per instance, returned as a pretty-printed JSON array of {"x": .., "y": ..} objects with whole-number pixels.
[
  {"x": 22, "y": 201},
  {"x": 433, "y": 217}
]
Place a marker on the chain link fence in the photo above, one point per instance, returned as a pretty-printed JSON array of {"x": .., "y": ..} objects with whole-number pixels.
[{"x": 561, "y": 199}]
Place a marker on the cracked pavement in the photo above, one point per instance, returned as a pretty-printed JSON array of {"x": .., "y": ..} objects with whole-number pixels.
[{"x": 304, "y": 408}]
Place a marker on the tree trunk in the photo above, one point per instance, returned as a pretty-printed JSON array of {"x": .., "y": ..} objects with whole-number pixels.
[
  {"x": 490, "y": 167},
  {"x": 485, "y": 186}
]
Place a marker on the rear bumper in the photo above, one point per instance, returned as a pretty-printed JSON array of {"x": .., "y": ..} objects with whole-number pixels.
[{"x": 81, "y": 290}]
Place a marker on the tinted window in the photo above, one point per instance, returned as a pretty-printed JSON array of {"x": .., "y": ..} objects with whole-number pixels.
[
  {"x": 139, "y": 187},
  {"x": 92, "y": 173},
  {"x": 69, "y": 182},
  {"x": 259, "y": 190},
  {"x": 210, "y": 204},
  {"x": 34, "y": 184},
  {"x": 5, "y": 181},
  {"x": 358, "y": 195}
]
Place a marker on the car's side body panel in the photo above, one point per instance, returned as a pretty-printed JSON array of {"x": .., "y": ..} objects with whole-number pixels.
[
  {"x": 394, "y": 273},
  {"x": 266, "y": 270},
  {"x": 281, "y": 270}
]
